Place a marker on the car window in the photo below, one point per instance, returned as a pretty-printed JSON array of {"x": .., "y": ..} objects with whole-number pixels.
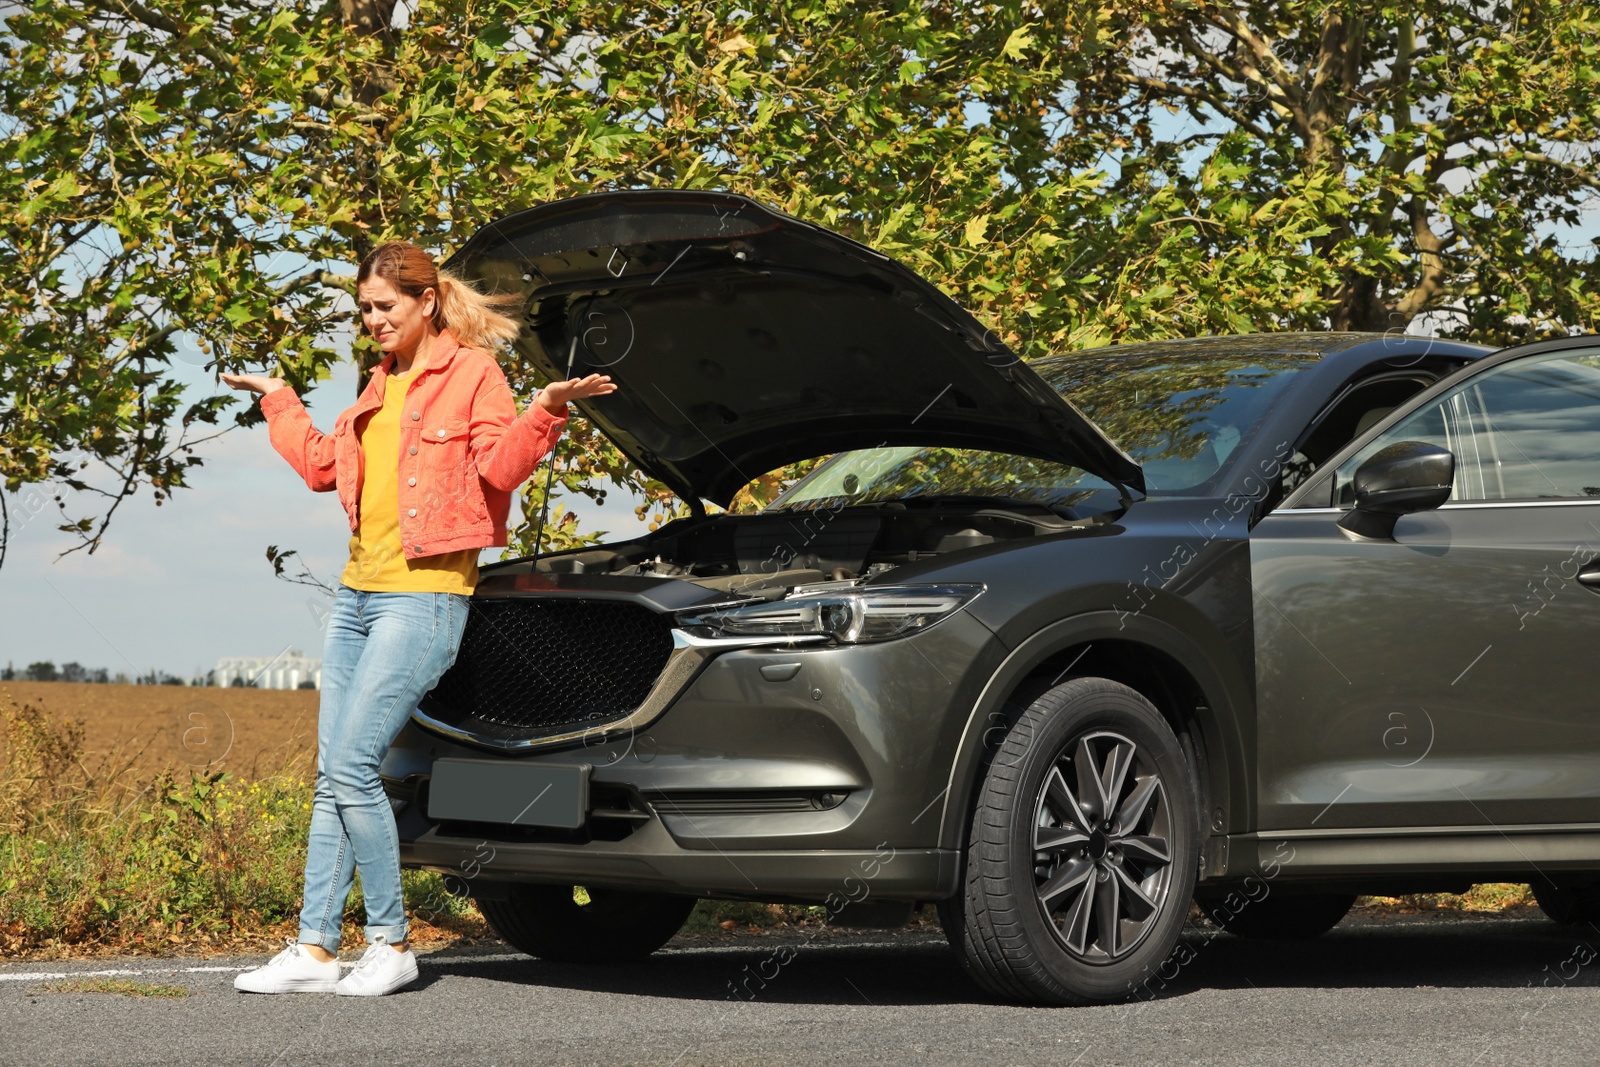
[
  {"x": 879, "y": 475},
  {"x": 1347, "y": 418},
  {"x": 1181, "y": 420},
  {"x": 1524, "y": 430}
]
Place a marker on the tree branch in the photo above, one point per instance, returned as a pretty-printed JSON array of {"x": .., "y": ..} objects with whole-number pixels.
[
  {"x": 1166, "y": 88},
  {"x": 161, "y": 334},
  {"x": 1327, "y": 51},
  {"x": 305, "y": 577},
  {"x": 315, "y": 94},
  {"x": 130, "y": 483},
  {"x": 1400, "y": 112},
  {"x": 1583, "y": 175},
  {"x": 1211, "y": 59},
  {"x": 1431, "y": 246},
  {"x": 345, "y": 283},
  {"x": 1280, "y": 75},
  {"x": 159, "y": 22},
  {"x": 1280, "y": 93}
]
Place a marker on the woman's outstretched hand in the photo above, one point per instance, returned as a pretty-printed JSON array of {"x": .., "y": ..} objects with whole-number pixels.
[
  {"x": 553, "y": 397},
  {"x": 255, "y": 383}
]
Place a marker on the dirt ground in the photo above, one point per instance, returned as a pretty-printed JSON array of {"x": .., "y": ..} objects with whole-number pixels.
[{"x": 248, "y": 732}]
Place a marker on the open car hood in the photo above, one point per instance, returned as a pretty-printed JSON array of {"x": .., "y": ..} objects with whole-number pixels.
[{"x": 743, "y": 339}]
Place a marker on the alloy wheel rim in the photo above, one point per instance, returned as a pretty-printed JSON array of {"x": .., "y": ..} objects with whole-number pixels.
[{"x": 1102, "y": 846}]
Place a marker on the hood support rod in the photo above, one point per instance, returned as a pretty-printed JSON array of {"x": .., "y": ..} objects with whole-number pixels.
[{"x": 549, "y": 480}]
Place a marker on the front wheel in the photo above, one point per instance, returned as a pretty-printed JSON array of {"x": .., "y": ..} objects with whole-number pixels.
[
  {"x": 1080, "y": 861},
  {"x": 568, "y": 924}
]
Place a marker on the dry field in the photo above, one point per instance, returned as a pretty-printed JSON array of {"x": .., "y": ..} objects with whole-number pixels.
[{"x": 248, "y": 732}]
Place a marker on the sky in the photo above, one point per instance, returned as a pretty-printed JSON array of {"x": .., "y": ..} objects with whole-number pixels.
[{"x": 174, "y": 588}]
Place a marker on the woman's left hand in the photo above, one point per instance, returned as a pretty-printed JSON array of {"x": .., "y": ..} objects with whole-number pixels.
[
  {"x": 554, "y": 397},
  {"x": 254, "y": 383}
]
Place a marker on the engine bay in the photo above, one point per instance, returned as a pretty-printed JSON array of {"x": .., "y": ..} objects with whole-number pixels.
[{"x": 771, "y": 553}]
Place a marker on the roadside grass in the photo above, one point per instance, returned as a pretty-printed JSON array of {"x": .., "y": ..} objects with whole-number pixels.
[
  {"x": 121, "y": 987},
  {"x": 96, "y": 857},
  {"x": 101, "y": 858},
  {"x": 1488, "y": 897}
]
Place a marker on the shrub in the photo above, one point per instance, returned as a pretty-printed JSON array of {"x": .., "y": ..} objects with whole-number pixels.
[{"x": 97, "y": 857}]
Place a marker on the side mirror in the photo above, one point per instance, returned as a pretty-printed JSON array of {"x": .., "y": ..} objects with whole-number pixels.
[{"x": 1405, "y": 477}]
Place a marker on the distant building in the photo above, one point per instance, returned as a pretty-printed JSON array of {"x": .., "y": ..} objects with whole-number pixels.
[{"x": 288, "y": 670}]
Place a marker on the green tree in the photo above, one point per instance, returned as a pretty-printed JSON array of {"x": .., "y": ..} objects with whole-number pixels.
[
  {"x": 1445, "y": 149},
  {"x": 43, "y": 671},
  {"x": 211, "y": 173}
]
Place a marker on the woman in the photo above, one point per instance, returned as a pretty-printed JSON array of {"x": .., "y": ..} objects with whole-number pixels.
[{"x": 425, "y": 464}]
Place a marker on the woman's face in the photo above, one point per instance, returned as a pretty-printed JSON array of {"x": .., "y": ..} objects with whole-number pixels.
[{"x": 396, "y": 321}]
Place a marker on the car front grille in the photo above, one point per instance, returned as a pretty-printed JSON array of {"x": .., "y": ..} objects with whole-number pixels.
[{"x": 532, "y": 667}]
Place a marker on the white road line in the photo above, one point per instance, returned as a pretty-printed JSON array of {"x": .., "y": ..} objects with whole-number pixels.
[
  {"x": 123, "y": 972},
  {"x": 49, "y": 975},
  {"x": 119, "y": 972},
  {"x": 423, "y": 957}
]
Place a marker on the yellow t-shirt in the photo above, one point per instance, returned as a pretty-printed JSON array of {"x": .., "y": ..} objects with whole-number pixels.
[{"x": 377, "y": 562}]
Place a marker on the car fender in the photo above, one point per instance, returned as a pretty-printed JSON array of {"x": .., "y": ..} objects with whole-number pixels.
[{"x": 1223, "y": 738}]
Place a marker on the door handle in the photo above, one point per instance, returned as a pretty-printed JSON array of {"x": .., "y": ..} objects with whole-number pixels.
[{"x": 1590, "y": 575}]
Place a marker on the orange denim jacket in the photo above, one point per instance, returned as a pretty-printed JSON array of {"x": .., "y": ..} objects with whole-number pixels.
[{"x": 463, "y": 448}]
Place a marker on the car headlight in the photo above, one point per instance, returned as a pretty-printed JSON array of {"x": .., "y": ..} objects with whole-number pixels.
[{"x": 851, "y": 616}]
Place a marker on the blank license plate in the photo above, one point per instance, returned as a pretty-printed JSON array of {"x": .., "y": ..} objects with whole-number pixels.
[{"x": 515, "y": 793}]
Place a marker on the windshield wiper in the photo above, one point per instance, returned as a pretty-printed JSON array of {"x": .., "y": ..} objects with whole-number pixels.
[
  {"x": 1014, "y": 503},
  {"x": 944, "y": 500}
]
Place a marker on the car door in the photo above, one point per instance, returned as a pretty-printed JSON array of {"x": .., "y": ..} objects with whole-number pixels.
[{"x": 1448, "y": 676}]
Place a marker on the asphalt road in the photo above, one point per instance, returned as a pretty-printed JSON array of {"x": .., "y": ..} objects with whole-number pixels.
[{"x": 1398, "y": 991}]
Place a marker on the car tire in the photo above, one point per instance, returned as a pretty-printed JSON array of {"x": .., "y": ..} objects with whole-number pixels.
[
  {"x": 1085, "y": 814},
  {"x": 1279, "y": 916},
  {"x": 1568, "y": 903},
  {"x": 615, "y": 925}
]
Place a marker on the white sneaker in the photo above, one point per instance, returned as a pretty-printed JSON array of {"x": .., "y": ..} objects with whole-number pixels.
[
  {"x": 380, "y": 971},
  {"x": 290, "y": 971}
]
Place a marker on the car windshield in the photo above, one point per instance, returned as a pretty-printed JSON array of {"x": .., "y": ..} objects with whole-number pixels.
[{"x": 1181, "y": 419}]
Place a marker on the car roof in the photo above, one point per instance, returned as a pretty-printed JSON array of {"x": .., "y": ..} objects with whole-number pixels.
[{"x": 1307, "y": 346}]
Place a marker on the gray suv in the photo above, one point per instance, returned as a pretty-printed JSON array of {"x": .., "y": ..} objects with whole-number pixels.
[{"x": 1261, "y": 622}]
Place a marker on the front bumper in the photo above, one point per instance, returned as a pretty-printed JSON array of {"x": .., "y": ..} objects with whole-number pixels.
[
  {"x": 650, "y": 860},
  {"x": 788, "y": 774}
]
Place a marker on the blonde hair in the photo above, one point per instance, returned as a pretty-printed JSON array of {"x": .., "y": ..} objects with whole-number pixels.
[{"x": 476, "y": 319}]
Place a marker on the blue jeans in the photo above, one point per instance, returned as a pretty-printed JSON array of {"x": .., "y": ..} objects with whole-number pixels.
[{"x": 384, "y": 652}]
